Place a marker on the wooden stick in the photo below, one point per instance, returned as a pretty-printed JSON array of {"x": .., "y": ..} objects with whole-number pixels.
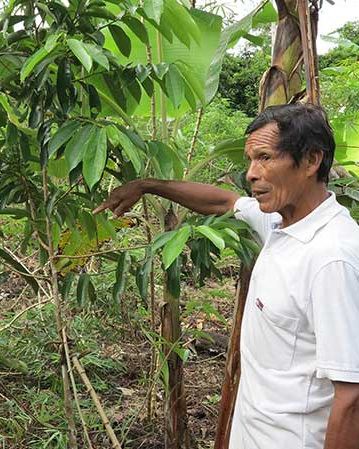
[
  {"x": 22, "y": 313},
  {"x": 74, "y": 389},
  {"x": 82, "y": 373},
  {"x": 99, "y": 253}
]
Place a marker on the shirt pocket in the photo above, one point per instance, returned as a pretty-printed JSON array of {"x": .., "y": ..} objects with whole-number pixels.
[{"x": 272, "y": 337}]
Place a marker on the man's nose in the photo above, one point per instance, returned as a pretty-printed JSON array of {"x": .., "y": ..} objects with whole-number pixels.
[{"x": 253, "y": 172}]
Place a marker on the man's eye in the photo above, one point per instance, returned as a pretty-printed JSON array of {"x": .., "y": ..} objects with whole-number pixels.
[{"x": 264, "y": 157}]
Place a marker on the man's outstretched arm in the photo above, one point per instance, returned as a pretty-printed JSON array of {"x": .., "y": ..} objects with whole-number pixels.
[{"x": 202, "y": 198}]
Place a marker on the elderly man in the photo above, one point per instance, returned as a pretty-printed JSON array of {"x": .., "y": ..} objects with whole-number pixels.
[{"x": 300, "y": 336}]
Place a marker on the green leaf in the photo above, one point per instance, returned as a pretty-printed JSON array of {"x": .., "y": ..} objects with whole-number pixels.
[
  {"x": 334, "y": 70},
  {"x": 210, "y": 310},
  {"x": 85, "y": 290},
  {"x": 160, "y": 70},
  {"x": 137, "y": 27},
  {"x": 51, "y": 42},
  {"x": 161, "y": 159},
  {"x": 14, "y": 213},
  {"x": 164, "y": 160},
  {"x": 121, "y": 39},
  {"x": 103, "y": 13},
  {"x": 95, "y": 156},
  {"x": 79, "y": 50},
  {"x": 175, "y": 245},
  {"x": 351, "y": 193},
  {"x": 142, "y": 72},
  {"x": 213, "y": 235},
  {"x": 76, "y": 147},
  {"x": 173, "y": 278},
  {"x": 347, "y": 142},
  {"x": 62, "y": 135},
  {"x": 135, "y": 90},
  {"x": 165, "y": 372},
  {"x": 107, "y": 225},
  {"x": 12, "y": 116},
  {"x": 267, "y": 14},
  {"x": 88, "y": 223},
  {"x": 183, "y": 25},
  {"x": 97, "y": 54},
  {"x": 174, "y": 85},
  {"x": 20, "y": 268},
  {"x": 37, "y": 57},
  {"x": 340, "y": 41},
  {"x": 153, "y": 9},
  {"x": 66, "y": 285},
  {"x": 63, "y": 83},
  {"x": 123, "y": 266},
  {"x": 117, "y": 137},
  {"x": 256, "y": 40},
  {"x": 231, "y": 148},
  {"x": 143, "y": 274},
  {"x": 192, "y": 80},
  {"x": 160, "y": 240},
  {"x": 36, "y": 115},
  {"x": 94, "y": 100}
]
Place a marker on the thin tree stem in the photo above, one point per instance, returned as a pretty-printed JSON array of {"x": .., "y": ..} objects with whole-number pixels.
[
  {"x": 59, "y": 323},
  {"x": 152, "y": 395},
  {"x": 194, "y": 139},
  {"x": 163, "y": 98},
  {"x": 153, "y": 98}
]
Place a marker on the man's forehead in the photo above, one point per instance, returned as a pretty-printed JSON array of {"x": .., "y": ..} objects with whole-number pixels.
[{"x": 265, "y": 137}]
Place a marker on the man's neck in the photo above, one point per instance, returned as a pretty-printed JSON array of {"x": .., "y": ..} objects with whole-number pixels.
[{"x": 309, "y": 200}]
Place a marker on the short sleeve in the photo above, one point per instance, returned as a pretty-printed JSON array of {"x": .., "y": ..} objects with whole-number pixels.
[
  {"x": 335, "y": 301},
  {"x": 247, "y": 209}
]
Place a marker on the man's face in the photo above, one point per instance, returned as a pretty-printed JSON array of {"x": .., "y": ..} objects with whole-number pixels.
[{"x": 277, "y": 183}]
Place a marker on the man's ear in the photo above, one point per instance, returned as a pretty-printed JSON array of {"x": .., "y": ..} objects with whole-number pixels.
[{"x": 313, "y": 161}]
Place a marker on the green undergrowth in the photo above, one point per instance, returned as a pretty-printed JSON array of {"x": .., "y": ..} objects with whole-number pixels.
[{"x": 113, "y": 343}]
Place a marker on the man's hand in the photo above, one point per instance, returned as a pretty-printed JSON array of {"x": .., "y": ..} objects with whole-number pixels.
[{"x": 122, "y": 199}]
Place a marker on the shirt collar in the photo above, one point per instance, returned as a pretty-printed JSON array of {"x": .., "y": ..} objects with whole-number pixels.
[{"x": 305, "y": 228}]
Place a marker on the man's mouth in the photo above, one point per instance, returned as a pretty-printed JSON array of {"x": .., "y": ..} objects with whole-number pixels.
[{"x": 258, "y": 194}]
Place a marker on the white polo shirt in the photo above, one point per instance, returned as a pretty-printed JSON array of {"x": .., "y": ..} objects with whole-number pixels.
[{"x": 300, "y": 327}]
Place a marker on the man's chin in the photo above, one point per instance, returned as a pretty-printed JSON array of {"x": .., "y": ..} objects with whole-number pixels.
[{"x": 266, "y": 208}]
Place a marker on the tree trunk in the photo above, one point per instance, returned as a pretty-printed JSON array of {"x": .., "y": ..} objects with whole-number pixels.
[{"x": 176, "y": 430}]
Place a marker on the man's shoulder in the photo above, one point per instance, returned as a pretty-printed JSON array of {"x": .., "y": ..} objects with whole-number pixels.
[{"x": 338, "y": 240}]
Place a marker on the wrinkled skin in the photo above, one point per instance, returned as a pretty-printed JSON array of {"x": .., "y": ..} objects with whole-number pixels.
[
  {"x": 277, "y": 183},
  {"x": 122, "y": 199}
]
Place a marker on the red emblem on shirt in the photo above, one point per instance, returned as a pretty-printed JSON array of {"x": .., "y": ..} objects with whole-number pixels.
[{"x": 259, "y": 304}]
